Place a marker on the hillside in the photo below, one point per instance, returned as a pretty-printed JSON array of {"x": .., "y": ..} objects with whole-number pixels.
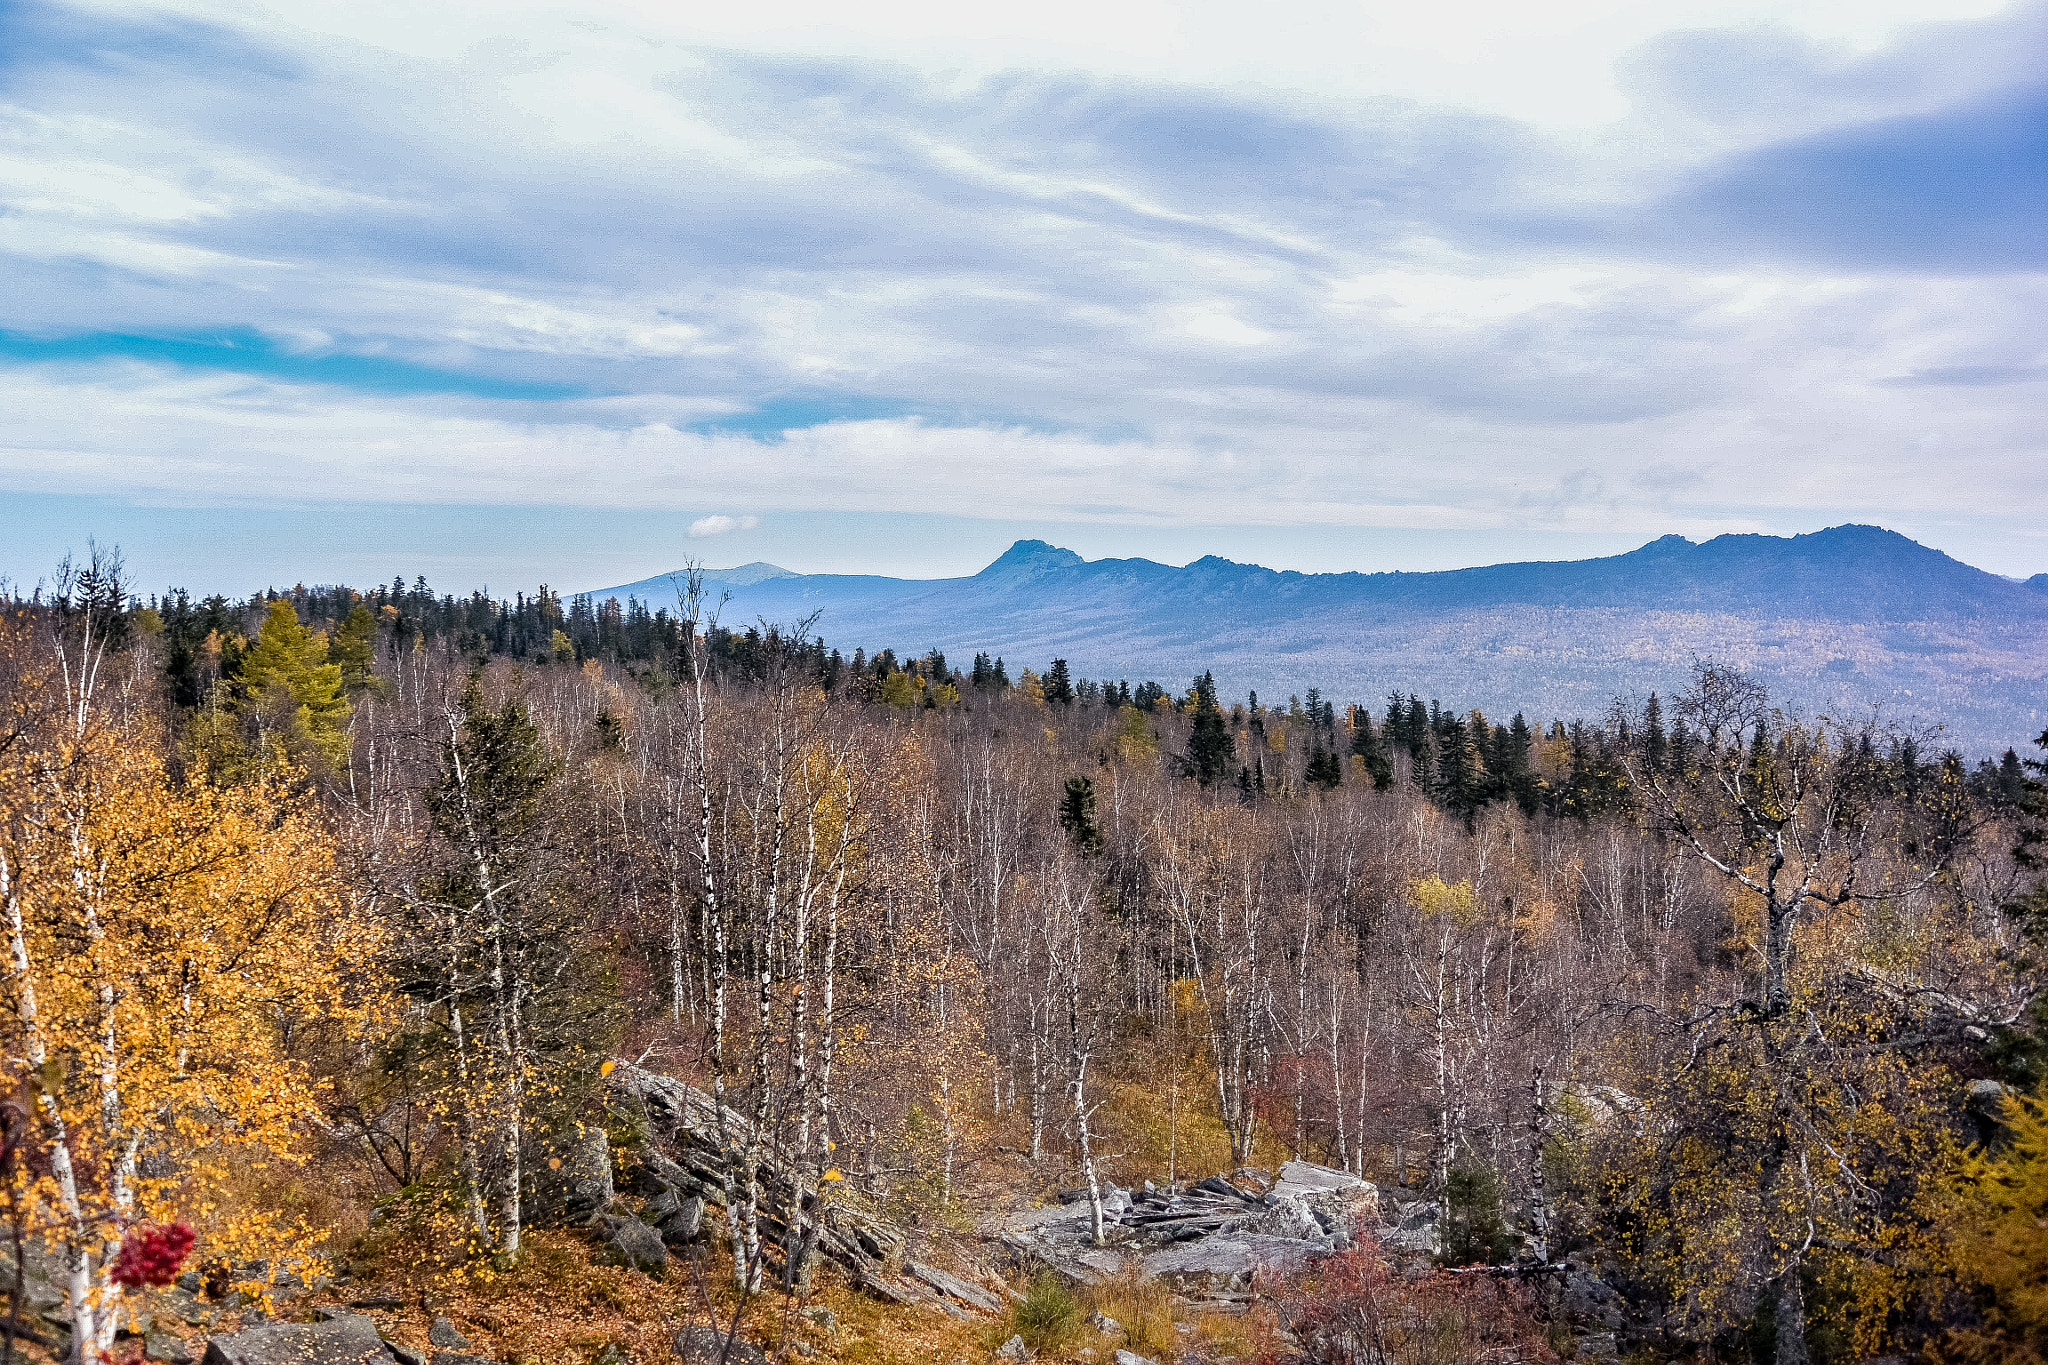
[{"x": 1840, "y": 620}]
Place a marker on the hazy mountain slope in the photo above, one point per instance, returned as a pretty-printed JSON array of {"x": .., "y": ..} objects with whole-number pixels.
[{"x": 1836, "y": 621}]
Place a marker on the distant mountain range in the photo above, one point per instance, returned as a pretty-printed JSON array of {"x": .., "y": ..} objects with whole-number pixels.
[{"x": 1835, "y": 622}]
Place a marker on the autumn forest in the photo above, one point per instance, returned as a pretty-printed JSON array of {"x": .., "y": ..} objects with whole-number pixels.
[{"x": 338, "y": 919}]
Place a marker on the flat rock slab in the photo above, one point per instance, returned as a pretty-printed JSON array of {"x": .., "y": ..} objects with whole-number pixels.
[
  {"x": 345, "y": 1339},
  {"x": 1025, "y": 1219},
  {"x": 1226, "y": 1257},
  {"x": 953, "y": 1286},
  {"x": 1305, "y": 1178}
]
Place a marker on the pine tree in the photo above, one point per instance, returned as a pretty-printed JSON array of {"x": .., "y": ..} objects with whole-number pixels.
[
  {"x": 1059, "y": 687},
  {"x": 354, "y": 650},
  {"x": 1521, "y": 782},
  {"x": 1653, "y": 734},
  {"x": 1379, "y": 766},
  {"x": 1210, "y": 747},
  {"x": 1077, "y": 815}
]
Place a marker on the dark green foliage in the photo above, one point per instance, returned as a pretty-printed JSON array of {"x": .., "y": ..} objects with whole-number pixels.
[
  {"x": 2020, "y": 1050},
  {"x": 1372, "y": 749},
  {"x": 1325, "y": 768},
  {"x": 1077, "y": 815},
  {"x": 1059, "y": 686},
  {"x": 1048, "y": 1318},
  {"x": 1598, "y": 783},
  {"x": 492, "y": 780},
  {"x": 1211, "y": 750},
  {"x": 1474, "y": 1232},
  {"x": 1653, "y": 734},
  {"x": 355, "y": 648}
]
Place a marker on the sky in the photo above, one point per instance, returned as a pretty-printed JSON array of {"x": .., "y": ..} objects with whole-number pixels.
[{"x": 512, "y": 293}]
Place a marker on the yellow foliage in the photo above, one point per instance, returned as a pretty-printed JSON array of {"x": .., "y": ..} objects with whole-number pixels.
[
  {"x": 1434, "y": 897},
  {"x": 160, "y": 940},
  {"x": 1134, "y": 737},
  {"x": 2001, "y": 1241}
]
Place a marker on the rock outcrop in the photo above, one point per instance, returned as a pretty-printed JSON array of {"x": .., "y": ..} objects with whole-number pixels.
[
  {"x": 344, "y": 1339},
  {"x": 1215, "y": 1238},
  {"x": 682, "y": 1171}
]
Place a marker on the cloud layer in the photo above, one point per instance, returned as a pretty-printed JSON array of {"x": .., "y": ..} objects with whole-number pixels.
[{"x": 599, "y": 264}]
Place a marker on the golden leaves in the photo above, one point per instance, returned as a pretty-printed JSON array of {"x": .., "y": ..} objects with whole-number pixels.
[{"x": 171, "y": 934}]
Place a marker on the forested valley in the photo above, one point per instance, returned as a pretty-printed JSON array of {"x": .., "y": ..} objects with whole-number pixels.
[{"x": 599, "y": 984}]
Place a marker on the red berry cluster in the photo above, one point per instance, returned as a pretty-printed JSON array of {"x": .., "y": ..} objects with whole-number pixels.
[{"x": 151, "y": 1256}]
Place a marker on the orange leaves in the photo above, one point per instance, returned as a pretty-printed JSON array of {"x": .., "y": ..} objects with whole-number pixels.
[{"x": 168, "y": 936}]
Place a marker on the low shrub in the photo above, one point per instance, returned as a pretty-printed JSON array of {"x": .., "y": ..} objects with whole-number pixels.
[
  {"x": 1350, "y": 1310},
  {"x": 1048, "y": 1318}
]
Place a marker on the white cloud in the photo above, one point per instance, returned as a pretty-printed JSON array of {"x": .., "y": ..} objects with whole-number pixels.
[
  {"x": 1026, "y": 285},
  {"x": 719, "y": 525},
  {"x": 1549, "y": 63}
]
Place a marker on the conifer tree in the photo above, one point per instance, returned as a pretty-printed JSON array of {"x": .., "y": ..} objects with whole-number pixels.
[
  {"x": 1325, "y": 768},
  {"x": 1077, "y": 815},
  {"x": 1521, "y": 783},
  {"x": 354, "y": 650},
  {"x": 288, "y": 662},
  {"x": 1371, "y": 750},
  {"x": 1210, "y": 747},
  {"x": 1653, "y": 734},
  {"x": 1059, "y": 687}
]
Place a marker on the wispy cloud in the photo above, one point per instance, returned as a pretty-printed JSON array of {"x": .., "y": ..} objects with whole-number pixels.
[{"x": 608, "y": 263}]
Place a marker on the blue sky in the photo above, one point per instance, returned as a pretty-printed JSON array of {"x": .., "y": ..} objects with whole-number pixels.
[{"x": 520, "y": 292}]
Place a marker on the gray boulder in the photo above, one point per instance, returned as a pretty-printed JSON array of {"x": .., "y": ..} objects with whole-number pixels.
[
  {"x": 1220, "y": 1261},
  {"x": 631, "y": 1243},
  {"x": 952, "y": 1285},
  {"x": 1013, "y": 1349},
  {"x": 686, "y": 1224},
  {"x": 649, "y": 1173},
  {"x": 702, "y": 1345},
  {"x": 347, "y": 1339},
  {"x": 160, "y": 1345},
  {"x": 574, "y": 1193},
  {"x": 1590, "y": 1301},
  {"x": 447, "y": 1336}
]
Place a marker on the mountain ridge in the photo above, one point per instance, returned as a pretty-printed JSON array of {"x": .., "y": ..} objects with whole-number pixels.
[{"x": 1849, "y": 616}]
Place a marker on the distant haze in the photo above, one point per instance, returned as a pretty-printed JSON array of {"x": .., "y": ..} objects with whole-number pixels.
[{"x": 1837, "y": 622}]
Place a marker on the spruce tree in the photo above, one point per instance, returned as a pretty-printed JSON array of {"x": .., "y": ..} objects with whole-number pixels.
[
  {"x": 1653, "y": 734},
  {"x": 1372, "y": 751},
  {"x": 1210, "y": 747},
  {"x": 1521, "y": 782},
  {"x": 1077, "y": 815},
  {"x": 1059, "y": 687},
  {"x": 354, "y": 650}
]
